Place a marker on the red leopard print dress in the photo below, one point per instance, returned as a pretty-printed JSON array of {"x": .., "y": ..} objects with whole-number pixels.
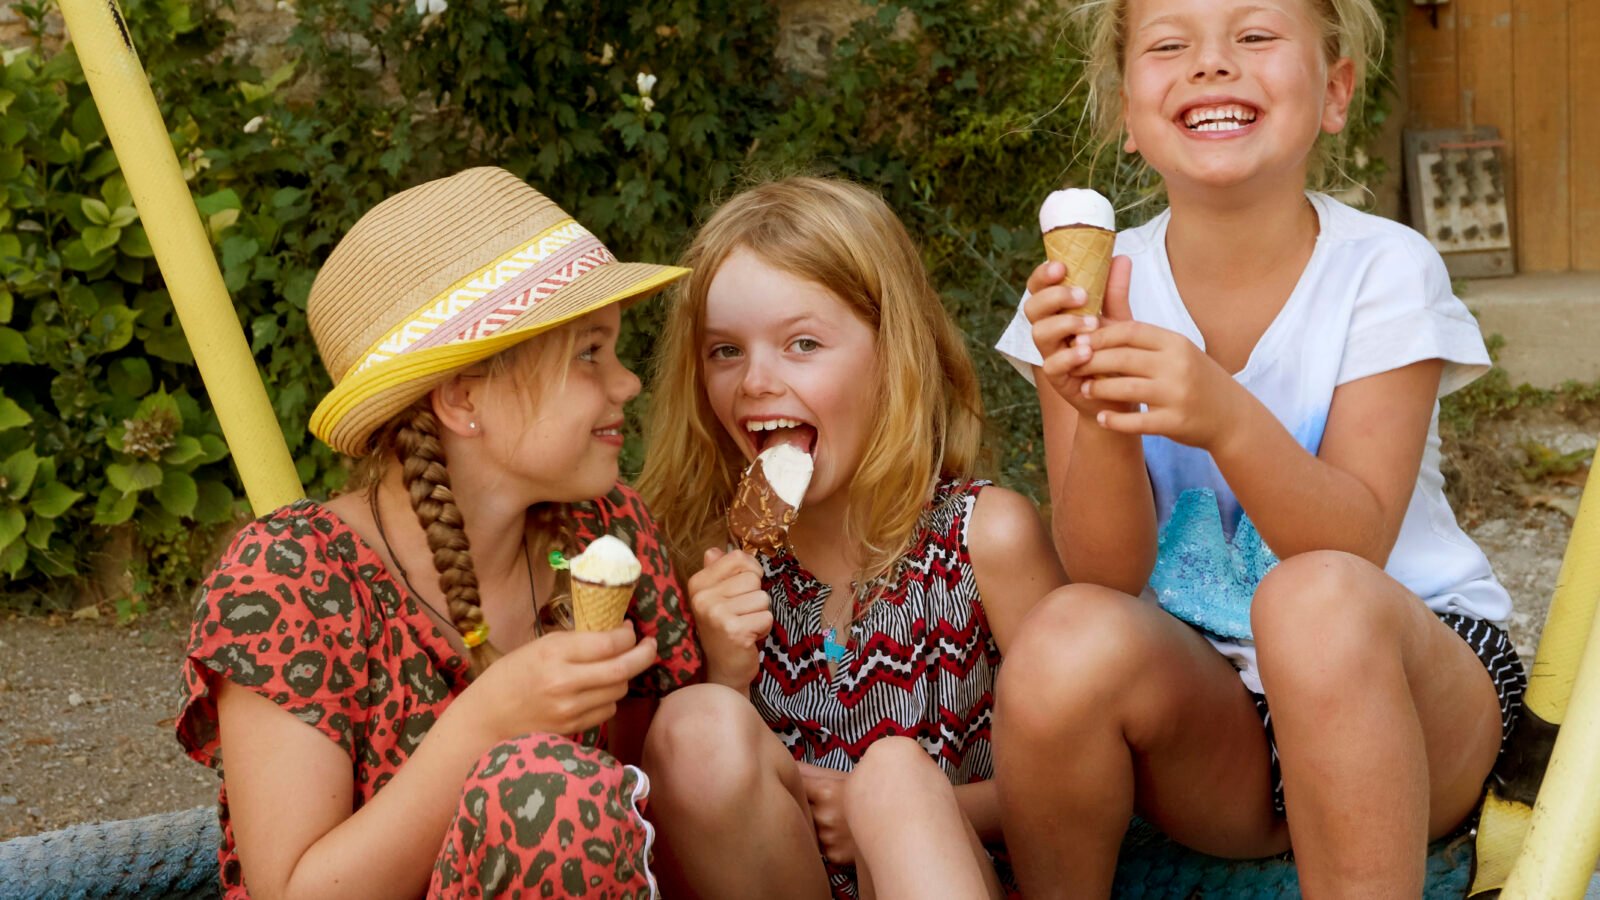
[
  {"x": 303, "y": 612},
  {"x": 920, "y": 662}
]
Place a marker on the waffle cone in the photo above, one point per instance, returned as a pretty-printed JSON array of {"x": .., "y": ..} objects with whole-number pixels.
[
  {"x": 599, "y": 607},
  {"x": 1086, "y": 250}
]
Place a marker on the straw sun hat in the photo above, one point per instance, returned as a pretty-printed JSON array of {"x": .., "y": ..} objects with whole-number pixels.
[{"x": 444, "y": 275}]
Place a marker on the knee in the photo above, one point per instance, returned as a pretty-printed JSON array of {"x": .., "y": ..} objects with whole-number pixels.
[
  {"x": 705, "y": 744},
  {"x": 1079, "y": 652},
  {"x": 892, "y": 768},
  {"x": 1324, "y": 615}
]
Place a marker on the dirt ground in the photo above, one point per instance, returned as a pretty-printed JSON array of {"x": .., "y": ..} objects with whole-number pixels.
[{"x": 86, "y": 706}]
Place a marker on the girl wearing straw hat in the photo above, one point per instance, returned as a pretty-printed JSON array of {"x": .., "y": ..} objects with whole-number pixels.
[{"x": 388, "y": 675}]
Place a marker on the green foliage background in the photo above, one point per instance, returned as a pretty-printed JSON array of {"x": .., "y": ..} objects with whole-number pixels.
[{"x": 963, "y": 113}]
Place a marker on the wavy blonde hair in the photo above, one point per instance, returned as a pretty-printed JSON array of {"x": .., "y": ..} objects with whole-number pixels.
[
  {"x": 1351, "y": 29},
  {"x": 844, "y": 238}
]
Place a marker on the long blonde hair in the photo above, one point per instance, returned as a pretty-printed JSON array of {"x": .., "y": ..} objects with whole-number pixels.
[
  {"x": 845, "y": 239},
  {"x": 1351, "y": 29}
]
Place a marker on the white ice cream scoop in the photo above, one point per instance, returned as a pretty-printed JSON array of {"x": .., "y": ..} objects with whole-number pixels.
[
  {"x": 606, "y": 561},
  {"x": 1076, "y": 206}
]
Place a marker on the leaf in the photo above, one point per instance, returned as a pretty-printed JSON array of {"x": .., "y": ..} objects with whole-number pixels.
[
  {"x": 39, "y": 532},
  {"x": 135, "y": 242},
  {"x": 52, "y": 498},
  {"x": 222, "y": 221},
  {"x": 17, "y": 472},
  {"x": 131, "y": 478},
  {"x": 215, "y": 503},
  {"x": 98, "y": 239},
  {"x": 79, "y": 258},
  {"x": 130, "y": 377},
  {"x": 186, "y": 448},
  {"x": 177, "y": 493},
  {"x": 12, "y": 523},
  {"x": 96, "y": 211},
  {"x": 113, "y": 508},
  {"x": 123, "y": 216},
  {"x": 13, "y": 558},
  {"x": 116, "y": 193},
  {"x": 12, "y": 415},
  {"x": 13, "y": 347},
  {"x": 211, "y": 204},
  {"x": 215, "y": 448},
  {"x": 113, "y": 325},
  {"x": 160, "y": 404},
  {"x": 238, "y": 249}
]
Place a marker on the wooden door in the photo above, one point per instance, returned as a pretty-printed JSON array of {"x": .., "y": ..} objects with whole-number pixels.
[{"x": 1532, "y": 69}]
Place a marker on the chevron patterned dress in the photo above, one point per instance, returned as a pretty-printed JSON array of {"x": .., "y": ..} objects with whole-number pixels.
[{"x": 920, "y": 661}]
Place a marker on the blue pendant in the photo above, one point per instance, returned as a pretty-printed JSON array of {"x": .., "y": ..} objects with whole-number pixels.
[{"x": 831, "y": 647}]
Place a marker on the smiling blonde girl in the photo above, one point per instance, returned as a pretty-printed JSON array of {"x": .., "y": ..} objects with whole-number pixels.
[
  {"x": 1277, "y": 628},
  {"x": 842, "y": 745}
]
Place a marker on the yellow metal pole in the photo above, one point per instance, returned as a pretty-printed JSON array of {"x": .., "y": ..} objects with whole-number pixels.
[
  {"x": 139, "y": 137},
  {"x": 1563, "y": 836}
]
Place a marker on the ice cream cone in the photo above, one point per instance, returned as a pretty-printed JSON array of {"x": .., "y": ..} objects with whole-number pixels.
[
  {"x": 603, "y": 576},
  {"x": 1086, "y": 251},
  {"x": 599, "y": 607}
]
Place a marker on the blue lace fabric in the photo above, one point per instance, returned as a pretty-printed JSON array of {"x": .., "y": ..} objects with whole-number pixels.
[{"x": 1200, "y": 575}]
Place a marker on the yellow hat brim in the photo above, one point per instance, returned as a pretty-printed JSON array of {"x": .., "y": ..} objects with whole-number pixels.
[{"x": 361, "y": 403}]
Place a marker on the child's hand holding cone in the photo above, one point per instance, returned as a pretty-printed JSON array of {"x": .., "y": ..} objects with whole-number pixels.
[{"x": 1062, "y": 330}]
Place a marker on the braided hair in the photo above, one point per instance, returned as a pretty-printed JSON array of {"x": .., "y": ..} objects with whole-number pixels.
[{"x": 427, "y": 481}]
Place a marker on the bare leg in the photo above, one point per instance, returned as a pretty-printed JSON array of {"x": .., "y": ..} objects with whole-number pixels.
[
  {"x": 1386, "y": 722},
  {"x": 1103, "y": 697},
  {"x": 728, "y": 802},
  {"x": 909, "y": 831}
]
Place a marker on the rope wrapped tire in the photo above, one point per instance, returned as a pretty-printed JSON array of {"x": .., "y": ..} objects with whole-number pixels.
[
  {"x": 170, "y": 855},
  {"x": 174, "y": 855}
]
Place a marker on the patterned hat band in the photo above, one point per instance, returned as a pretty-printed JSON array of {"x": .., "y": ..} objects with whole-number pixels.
[{"x": 486, "y": 300}]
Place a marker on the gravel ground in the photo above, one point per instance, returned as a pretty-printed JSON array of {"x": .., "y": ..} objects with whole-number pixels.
[{"x": 86, "y": 707}]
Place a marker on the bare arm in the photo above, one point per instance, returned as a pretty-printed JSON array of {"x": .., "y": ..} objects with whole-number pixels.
[
  {"x": 290, "y": 792},
  {"x": 1353, "y": 495},
  {"x": 1101, "y": 507},
  {"x": 291, "y": 789}
]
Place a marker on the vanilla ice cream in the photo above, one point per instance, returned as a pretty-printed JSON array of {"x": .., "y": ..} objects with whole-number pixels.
[
  {"x": 606, "y": 561},
  {"x": 1076, "y": 206}
]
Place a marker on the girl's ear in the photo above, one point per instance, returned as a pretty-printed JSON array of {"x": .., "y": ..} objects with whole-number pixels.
[
  {"x": 1336, "y": 102},
  {"x": 458, "y": 403}
]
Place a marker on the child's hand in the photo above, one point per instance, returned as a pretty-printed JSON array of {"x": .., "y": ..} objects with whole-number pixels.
[
  {"x": 1187, "y": 396},
  {"x": 1060, "y": 332},
  {"x": 733, "y": 614},
  {"x": 825, "y": 793},
  {"x": 563, "y": 683}
]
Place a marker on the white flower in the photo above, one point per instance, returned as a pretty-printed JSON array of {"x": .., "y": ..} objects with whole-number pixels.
[
  {"x": 431, "y": 7},
  {"x": 607, "y": 53},
  {"x": 254, "y": 125},
  {"x": 645, "y": 82},
  {"x": 647, "y": 103}
]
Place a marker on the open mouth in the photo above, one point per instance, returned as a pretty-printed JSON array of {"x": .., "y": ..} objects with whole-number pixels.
[
  {"x": 611, "y": 432},
  {"x": 1221, "y": 117},
  {"x": 768, "y": 432}
]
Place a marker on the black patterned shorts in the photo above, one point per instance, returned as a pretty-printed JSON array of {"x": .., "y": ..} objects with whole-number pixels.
[{"x": 1494, "y": 650}]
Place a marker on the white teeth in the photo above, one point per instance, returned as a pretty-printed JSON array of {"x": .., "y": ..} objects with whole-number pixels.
[
  {"x": 1228, "y": 116},
  {"x": 772, "y": 424}
]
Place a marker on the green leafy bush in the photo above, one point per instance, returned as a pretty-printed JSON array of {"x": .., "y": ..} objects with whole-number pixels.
[{"x": 638, "y": 119}]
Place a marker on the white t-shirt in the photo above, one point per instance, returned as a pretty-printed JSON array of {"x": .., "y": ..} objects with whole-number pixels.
[{"x": 1374, "y": 297}]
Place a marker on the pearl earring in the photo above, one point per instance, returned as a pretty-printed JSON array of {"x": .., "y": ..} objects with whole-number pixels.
[{"x": 473, "y": 426}]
